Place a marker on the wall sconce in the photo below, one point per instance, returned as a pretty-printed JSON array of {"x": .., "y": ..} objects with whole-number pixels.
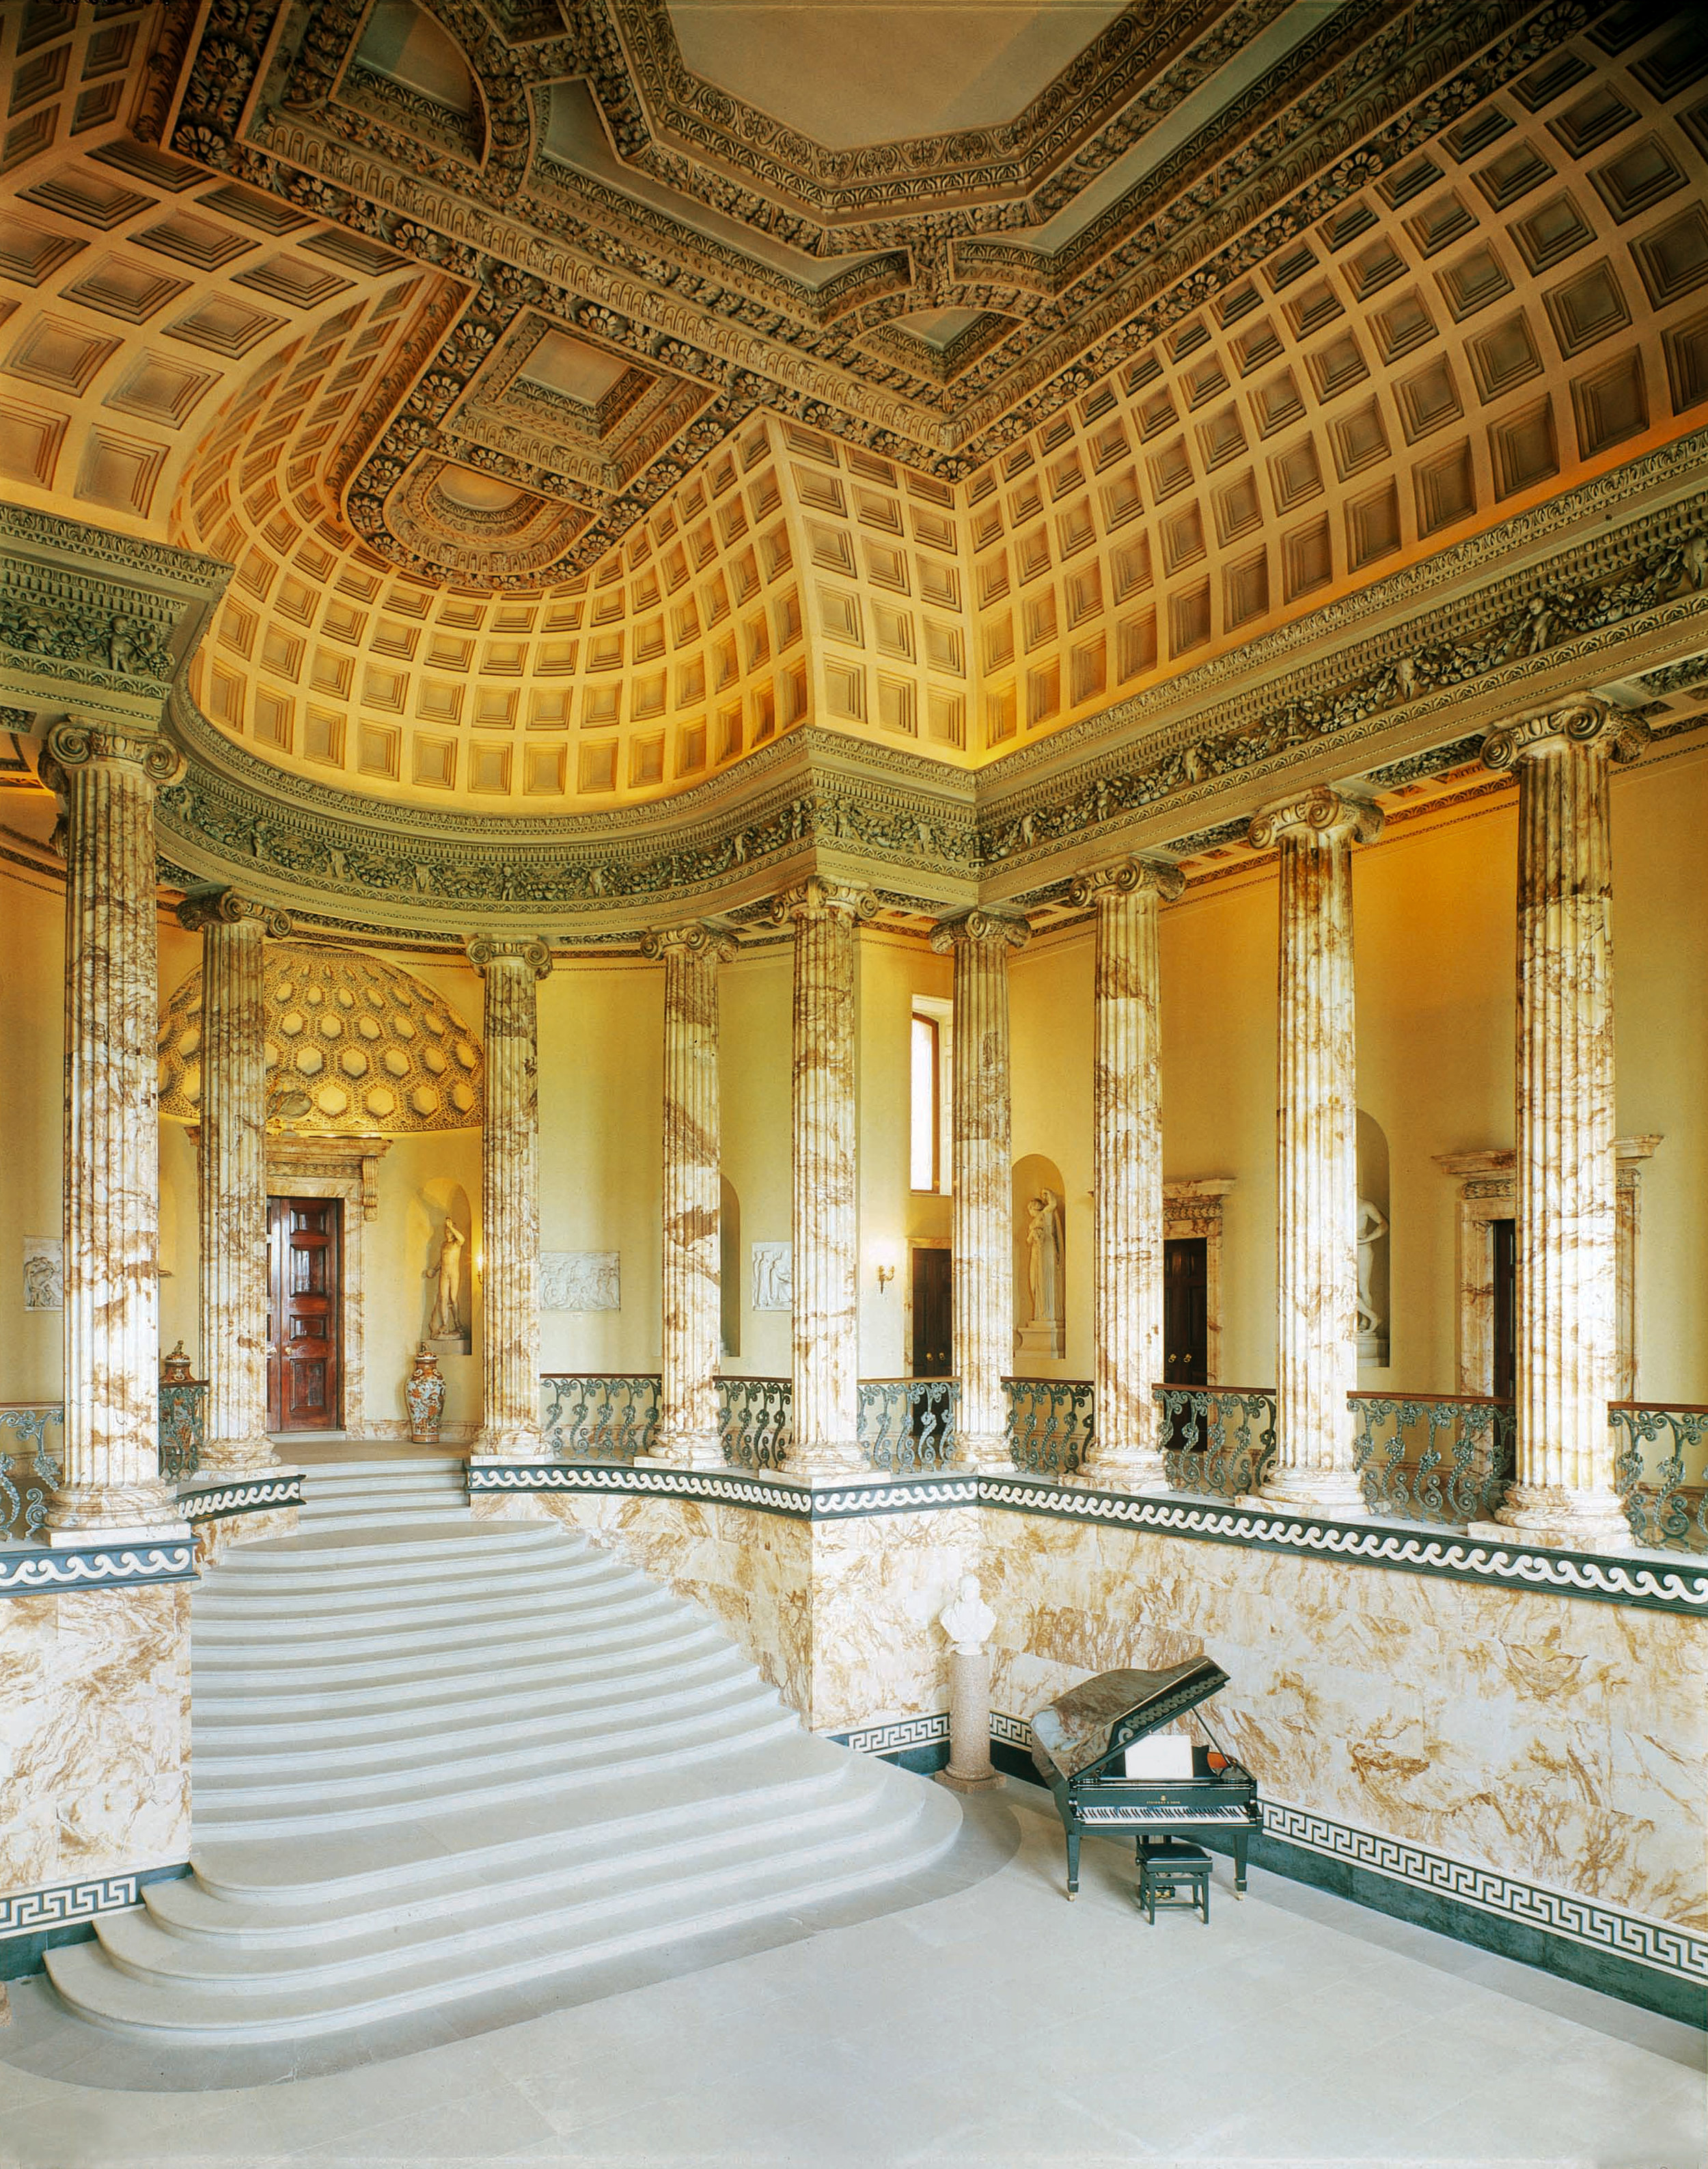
[{"x": 884, "y": 1263}]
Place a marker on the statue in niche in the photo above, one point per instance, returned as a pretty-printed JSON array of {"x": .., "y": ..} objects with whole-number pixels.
[
  {"x": 446, "y": 1321},
  {"x": 1371, "y": 1226},
  {"x": 1044, "y": 1256}
]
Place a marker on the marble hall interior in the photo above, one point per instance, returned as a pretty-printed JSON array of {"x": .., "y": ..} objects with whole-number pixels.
[{"x": 852, "y": 871}]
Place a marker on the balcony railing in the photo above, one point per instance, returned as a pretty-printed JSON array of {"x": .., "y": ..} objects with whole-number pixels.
[
  {"x": 1051, "y": 1423},
  {"x": 183, "y": 1419},
  {"x": 599, "y": 1416},
  {"x": 756, "y": 1417},
  {"x": 1443, "y": 1458},
  {"x": 907, "y": 1424},
  {"x": 1660, "y": 1462},
  {"x": 1217, "y": 1441},
  {"x": 31, "y": 1433}
]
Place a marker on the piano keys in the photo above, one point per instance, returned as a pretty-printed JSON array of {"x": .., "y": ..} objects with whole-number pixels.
[{"x": 1080, "y": 1746}]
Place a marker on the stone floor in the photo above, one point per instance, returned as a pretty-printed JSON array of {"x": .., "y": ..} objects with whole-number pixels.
[{"x": 990, "y": 2026}]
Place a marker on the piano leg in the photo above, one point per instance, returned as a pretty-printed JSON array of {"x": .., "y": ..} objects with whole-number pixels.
[
  {"x": 1239, "y": 1846},
  {"x": 1072, "y": 1864}
]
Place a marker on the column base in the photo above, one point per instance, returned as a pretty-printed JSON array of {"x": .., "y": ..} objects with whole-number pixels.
[
  {"x": 986, "y": 1454},
  {"x": 1137, "y": 1471},
  {"x": 824, "y": 1466},
  {"x": 989, "y": 1781},
  {"x": 1559, "y": 1520},
  {"x": 238, "y": 1456},
  {"x": 1334, "y": 1492},
  {"x": 113, "y": 1513},
  {"x": 515, "y": 1442},
  {"x": 704, "y": 1454}
]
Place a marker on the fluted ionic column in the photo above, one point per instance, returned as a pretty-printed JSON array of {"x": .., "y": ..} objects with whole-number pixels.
[
  {"x": 825, "y": 1155},
  {"x": 1316, "y": 1152},
  {"x": 1127, "y": 1170},
  {"x": 510, "y": 1197},
  {"x": 110, "y": 1479},
  {"x": 688, "y": 1430},
  {"x": 1565, "y": 1174},
  {"x": 233, "y": 1190},
  {"x": 983, "y": 1283}
]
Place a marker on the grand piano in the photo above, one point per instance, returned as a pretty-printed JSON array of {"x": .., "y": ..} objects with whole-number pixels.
[{"x": 1085, "y": 1746}]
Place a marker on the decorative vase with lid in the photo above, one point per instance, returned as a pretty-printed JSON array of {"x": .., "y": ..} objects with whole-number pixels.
[
  {"x": 175, "y": 1367},
  {"x": 423, "y": 1390}
]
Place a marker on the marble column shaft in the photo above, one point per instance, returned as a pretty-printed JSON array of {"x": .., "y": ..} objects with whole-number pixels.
[
  {"x": 1564, "y": 1170},
  {"x": 232, "y": 1189},
  {"x": 1317, "y": 1151},
  {"x": 692, "y": 1317},
  {"x": 110, "y": 1476},
  {"x": 983, "y": 1217},
  {"x": 824, "y": 1158},
  {"x": 510, "y": 1198},
  {"x": 1127, "y": 1170}
]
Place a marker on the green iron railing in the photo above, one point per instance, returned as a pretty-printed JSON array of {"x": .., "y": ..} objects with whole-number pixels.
[
  {"x": 31, "y": 1433},
  {"x": 756, "y": 1417},
  {"x": 1218, "y": 1442},
  {"x": 1660, "y": 1463},
  {"x": 599, "y": 1416},
  {"x": 1051, "y": 1423},
  {"x": 1445, "y": 1458},
  {"x": 907, "y": 1424}
]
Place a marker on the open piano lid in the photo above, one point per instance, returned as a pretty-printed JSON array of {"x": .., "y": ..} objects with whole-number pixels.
[{"x": 1093, "y": 1722}]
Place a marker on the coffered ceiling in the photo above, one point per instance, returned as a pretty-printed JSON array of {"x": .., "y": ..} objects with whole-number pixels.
[{"x": 588, "y": 392}]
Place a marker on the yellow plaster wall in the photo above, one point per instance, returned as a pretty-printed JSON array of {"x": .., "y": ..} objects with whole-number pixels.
[
  {"x": 1050, "y": 1026},
  {"x": 755, "y": 996},
  {"x": 32, "y": 1032}
]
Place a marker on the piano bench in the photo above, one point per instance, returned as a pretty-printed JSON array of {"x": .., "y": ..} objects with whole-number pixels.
[{"x": 1167, "y": 1867}]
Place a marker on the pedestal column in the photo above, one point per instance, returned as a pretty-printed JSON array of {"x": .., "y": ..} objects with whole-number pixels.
[
  {"x": 983, "y": 1225},
  {"x": 1316, "y": 1152},
  {"x": 688, "y": 1429},
  {"x": 510, "y": 1198},
  {"x": 110, "y": 1482},
  {"x": 233, "y": 1190},
  {"x": 826, "y": 1357},
  {"x": 1564, "y": 1170},
  {"x": 1127, "y": 1172}
]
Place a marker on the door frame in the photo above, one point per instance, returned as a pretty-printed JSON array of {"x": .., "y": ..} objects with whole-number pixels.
[
  {"x": 1195, "y": 1208},
  {"x": 916, "y": 1242},
  {"x": 344, "y": 1168},
  {"x": 337, "y": 1425}
]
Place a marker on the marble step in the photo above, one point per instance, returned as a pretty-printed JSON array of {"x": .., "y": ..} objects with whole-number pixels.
[
  {"x": 264, "y": 1602},
  {"x": 659, "y": 1908},
  {"x": 255, "y": 1811},
  {"x": 308, "y": 1621},
  {"x": 497, "y": 1628},
  {"x": 400, "y": 1567},
  {"x": 416, "y": 1544},
  {"x": 223, "y": 1670}
]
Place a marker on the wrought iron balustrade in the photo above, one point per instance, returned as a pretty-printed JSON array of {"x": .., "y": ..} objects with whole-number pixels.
[
  {"x": 1217, "y": 1441},
  {"x": 908, "y": 1424},
  {"x": 183, "y": 1427},
  {"x": 1660, "y": 1464},
  {"x": 756, "y": 1418},
  {"x": 29, "y": 1467},
  {"x": 1433, "y": 1457},
  {"x": 599, "y": 1416},
  {"x": 1051, "y": 1423}
]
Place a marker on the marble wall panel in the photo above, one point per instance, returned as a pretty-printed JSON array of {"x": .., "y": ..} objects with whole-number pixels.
[
  {"x": 94, "y": 1733},
  {"x": 878, "y": 1583},
  {"x": 224, "y": 1532},
  {"x": 1560, "y": 1741}
]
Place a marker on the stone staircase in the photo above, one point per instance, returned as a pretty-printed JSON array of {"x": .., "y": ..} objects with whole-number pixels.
[{"x": 436, "y": 1756}]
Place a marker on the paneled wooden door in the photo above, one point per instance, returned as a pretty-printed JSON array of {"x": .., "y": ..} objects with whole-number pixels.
[
  {"x": 933, "y": 1313},
  {"x": 1185, "y": 1311},
  {"x": 305, "y": 1261}
]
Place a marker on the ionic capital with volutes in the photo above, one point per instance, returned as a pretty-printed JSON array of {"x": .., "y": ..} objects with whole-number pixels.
[
  {"x": 78, "y": 743},
  {"x": 1583, "y": 725},
  {"x": 205, "y": 908},
  {"x": 817, "y": 898},
  {"x": 697, "y": 940},
  {"x": 1322, "y": 816},
  {"x": 1159, "y": 877},
  {"x": 486, "y": 950},
  {"x": 980, "y": 930}
]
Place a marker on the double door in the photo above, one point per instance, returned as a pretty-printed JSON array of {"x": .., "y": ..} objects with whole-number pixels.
[{"x": 304, "y": 1264}]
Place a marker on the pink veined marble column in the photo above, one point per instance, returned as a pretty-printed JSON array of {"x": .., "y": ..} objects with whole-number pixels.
[
  {"x": 1316, "y": 1152},
  {"x": 982, "y": 1224},
  {"x": 688, "y": 1432},
  {"x": 1127, "y": 1171},
  {"x": 825, "y": 1152},
  {"x": 510, "y": 1197},
  {"x": 233, "y": 1190},
  {"x": 110, "y": 1480},
  {"x": 1565, "y": 1170}
]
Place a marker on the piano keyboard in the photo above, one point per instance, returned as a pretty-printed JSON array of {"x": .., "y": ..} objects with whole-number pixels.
[{"x": 1136, "y": 1813}]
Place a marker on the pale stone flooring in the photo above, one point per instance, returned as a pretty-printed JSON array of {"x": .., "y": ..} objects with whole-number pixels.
[{"x": 993, "y": 2024}]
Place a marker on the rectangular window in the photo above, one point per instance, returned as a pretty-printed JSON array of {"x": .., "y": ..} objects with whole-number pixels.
[{"x": 925, "y": 1110}]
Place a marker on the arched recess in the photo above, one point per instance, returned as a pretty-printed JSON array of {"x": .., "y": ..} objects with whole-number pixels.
[
  {"x": 1041, "y": 1298},
  {"x": 442, "y": 1234},
  {"x": 729, "y": 1264},
  {"x": 1375, "y": 1282}
]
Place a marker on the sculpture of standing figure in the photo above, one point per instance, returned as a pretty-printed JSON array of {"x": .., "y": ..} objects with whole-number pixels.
[
  {"x": 1043, "y": 1249},
  {"x": 1372, "y": 1226},
  {"x": 446, "y": 1317}
]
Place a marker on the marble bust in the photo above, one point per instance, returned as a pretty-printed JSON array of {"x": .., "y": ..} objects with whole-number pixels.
[{"x": 966, "y": 1619}]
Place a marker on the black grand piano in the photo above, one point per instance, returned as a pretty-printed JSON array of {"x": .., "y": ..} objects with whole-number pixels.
[{"x": 1080, "y": 1743}]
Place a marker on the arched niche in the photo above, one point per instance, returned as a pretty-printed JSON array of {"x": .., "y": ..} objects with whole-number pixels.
[
  {"x": 441, "y": 1234},
  {"x": 1040, "y": 1265},
  {"x": 1374, "y": 1277},
  {"x": 729, "y": 1265}
]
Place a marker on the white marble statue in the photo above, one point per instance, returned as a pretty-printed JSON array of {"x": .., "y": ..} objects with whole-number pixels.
[
  {"x": 1044, "y": 1256},
  {"x": 966, "y": 1619},
  {"x": 447, "y": 1319},
  {"x": 581, "y": 1280},
  {"x": 773, "y": 1275},
  {"x": 1372, "y": 1226}
]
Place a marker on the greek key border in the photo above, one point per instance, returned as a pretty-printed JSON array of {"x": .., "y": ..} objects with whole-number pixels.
[
  {"x": 65, "y": 1904},
  {"x": 861, "y": 1499},
  {"x": 45, "y": 1570},
  {"x": 245, "y": 1495},
  {"x": 899, "y": 1732}
]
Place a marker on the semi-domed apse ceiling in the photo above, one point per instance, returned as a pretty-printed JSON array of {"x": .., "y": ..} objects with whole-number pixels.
[{"x": 587, "y": 395}]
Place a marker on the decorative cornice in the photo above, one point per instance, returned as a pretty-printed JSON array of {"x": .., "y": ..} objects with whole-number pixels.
[
  {"x": 42, "y": 1569},
  {"x": 204, "y": 1499},
  {"x": 855, "y": 1500},
  {"x": 1587, "y": 724}
]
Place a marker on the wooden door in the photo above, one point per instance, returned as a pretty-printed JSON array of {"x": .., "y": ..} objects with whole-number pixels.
[
  {"x": 1503, "y": 1245},
  {"x": 1185, "y": 1311},
  {"x": 305, "y": 1246},
  {"x": 933, "y": 1341}
]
